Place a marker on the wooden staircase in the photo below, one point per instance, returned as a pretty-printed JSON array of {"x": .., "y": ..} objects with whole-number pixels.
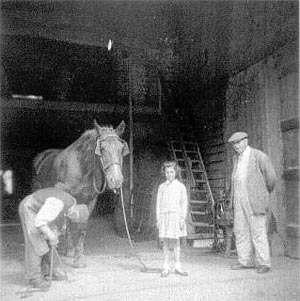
[{"x": 200, "y": 221}]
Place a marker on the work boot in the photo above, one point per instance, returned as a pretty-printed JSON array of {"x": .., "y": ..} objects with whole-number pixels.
[
  {"x": 40, "y": 284},
  {"x": 181, "y": 272},
  {"x": 57, "y": 276},
  {"x": 262, "y": 269},
  {"x": 241, "y": 267}
]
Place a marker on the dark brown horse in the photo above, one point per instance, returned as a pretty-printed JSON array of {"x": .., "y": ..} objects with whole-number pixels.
[{"x": 89, "y": 165}]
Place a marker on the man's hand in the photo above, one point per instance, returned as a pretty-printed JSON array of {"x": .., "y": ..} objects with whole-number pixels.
[
  {"x": 50, "y": 235},
  {"x": 53, "y": 239}
]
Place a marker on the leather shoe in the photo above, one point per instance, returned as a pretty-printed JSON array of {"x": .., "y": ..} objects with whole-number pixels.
[
  {"x": 57, "y": 276},
  {"x": 241, "y": 267},
  {"x": 181, "y": 273},
  {"x": 165, "y": 273},
  {"x": 40, "y": 284},
  {"x": 263, "y": 269}
]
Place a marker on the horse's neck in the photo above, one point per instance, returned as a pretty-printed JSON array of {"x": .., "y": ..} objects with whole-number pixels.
[{"x": 79, "y": 172}]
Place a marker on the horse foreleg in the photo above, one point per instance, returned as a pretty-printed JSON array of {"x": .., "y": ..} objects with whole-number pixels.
[
  {"x": 79, "y": 237},
  {"x": 69, "y": 245},
  {"x": 79, "y": 247}
]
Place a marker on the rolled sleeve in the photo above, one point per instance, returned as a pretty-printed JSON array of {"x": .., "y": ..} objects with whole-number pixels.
[{"x": 49, "y": 211}]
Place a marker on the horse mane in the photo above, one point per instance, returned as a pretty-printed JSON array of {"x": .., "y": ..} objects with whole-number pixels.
[
  {"x": 87, "y": 140},
  {"x": 84, "y": 150}
]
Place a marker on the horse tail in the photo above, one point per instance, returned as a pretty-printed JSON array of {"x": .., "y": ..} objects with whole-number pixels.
[
  {"x": 44, "y": 173},
  {"x": 40, "y": 159}
]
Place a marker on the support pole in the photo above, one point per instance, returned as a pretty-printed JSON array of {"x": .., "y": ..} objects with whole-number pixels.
[{"x": 130, "y": 138}]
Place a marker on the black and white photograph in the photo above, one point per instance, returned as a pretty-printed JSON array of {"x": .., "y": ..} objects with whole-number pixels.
[{"x": 149, "y": 150}]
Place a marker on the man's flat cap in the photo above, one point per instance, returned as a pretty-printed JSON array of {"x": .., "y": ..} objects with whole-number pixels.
[{"x": 238, "y": 136}]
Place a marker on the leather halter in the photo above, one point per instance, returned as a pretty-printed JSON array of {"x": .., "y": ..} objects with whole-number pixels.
[
  {"x": 98, "y": 151},
  {"x": 105, "y": 168}
]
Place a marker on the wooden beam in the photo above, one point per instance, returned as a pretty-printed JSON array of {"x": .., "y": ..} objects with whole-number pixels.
[
  {"x": 38, "y": 104},
  {"x": 289, "y": 124}
]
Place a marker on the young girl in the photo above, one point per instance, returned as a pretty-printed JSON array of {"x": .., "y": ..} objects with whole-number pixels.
[{"x": 171, "y": 210}]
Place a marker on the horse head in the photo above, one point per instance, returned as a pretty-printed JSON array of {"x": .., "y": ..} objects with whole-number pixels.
[{"x": 110, "y": 149}]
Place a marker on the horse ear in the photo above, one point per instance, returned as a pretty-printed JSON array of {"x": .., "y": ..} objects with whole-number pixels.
[
  {"x": 120, "y": 128},
  {"x": 97, "y": 126}
]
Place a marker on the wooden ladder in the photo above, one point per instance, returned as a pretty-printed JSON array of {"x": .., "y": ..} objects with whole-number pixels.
[{"x": 201, "y": 202}]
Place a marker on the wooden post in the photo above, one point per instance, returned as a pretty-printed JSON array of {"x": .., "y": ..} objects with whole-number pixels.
[{"x": 130, "y": 139}]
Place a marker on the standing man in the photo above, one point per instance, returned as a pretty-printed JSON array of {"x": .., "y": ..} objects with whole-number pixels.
[{"x": 252, "y": 181}]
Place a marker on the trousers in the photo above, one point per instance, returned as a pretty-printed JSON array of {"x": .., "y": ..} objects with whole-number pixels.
[
  {"x": 33, "y": 259},
  {"x": 251, "y": 235}
]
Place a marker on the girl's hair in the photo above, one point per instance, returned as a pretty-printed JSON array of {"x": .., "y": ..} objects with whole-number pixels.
[{"x": 174, "y": 165}]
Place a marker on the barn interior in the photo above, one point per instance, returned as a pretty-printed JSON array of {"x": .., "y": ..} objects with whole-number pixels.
[{"x": 192, "y": 70}]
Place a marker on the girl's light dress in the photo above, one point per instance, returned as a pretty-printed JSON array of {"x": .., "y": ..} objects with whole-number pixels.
[{"x": 171, "y": 209}]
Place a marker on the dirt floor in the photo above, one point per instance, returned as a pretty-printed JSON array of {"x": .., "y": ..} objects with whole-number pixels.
[{"x": 113, "y": 274}]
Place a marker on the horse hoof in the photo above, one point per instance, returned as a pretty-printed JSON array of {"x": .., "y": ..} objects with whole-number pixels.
[{"x": 78, "y": 265}]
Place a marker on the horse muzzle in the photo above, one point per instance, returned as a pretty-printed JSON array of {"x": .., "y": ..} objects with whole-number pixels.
[
  {"x": 114, "y": 177},
  {"x": 114, "y": 184}
]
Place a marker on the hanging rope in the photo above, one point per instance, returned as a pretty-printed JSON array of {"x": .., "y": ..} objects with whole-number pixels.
[{"x": 128, "y": 234}]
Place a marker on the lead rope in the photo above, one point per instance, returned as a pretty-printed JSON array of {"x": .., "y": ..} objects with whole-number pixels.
[
  {"x": 95, "y": 186},
  {"x": 128, "y": 234}
]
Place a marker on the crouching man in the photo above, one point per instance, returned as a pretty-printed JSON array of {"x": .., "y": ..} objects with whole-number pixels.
[{"x": 42, "y": 217}]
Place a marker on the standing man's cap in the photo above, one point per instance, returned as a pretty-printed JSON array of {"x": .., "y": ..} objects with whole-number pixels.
[{"x": 238, "y": 136}]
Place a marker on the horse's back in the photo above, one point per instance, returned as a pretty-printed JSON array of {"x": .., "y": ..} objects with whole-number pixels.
[{"x": 45, "y": 174}]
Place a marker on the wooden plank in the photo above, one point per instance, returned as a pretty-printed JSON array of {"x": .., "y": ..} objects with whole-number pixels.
[
  {"x": 200, "y": 224},
  {"x": 38, "y": 104},
  {"x": 217, "y": 183},
  {"x": 289, "y": 124},
  {"x": 196, "y": 236},
  {"x": 214, "y": 150},
  {"x": 198, "y": 213},
  {"x": 290, "y": 141},
  {"x": 291, "y": 173}
]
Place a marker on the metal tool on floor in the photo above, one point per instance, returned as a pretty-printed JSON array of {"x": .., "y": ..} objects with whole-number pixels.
[
  {"x": 133, "y": 253},
  {"x": 61, "y": 264},
  {"x": 51, "y": 264},
  {"x": 30, "y": 290}
]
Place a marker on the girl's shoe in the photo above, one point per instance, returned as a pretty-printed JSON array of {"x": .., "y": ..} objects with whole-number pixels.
[
  {"x": 263, "y": 269},
  {"x": 57, "y": 276},
  {"x": 180, "y": 272},
  {"x": 165, "y": 273}
]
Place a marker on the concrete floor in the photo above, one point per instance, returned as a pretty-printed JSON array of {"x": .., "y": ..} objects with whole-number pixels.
[{"x": 113, "y": 274}]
